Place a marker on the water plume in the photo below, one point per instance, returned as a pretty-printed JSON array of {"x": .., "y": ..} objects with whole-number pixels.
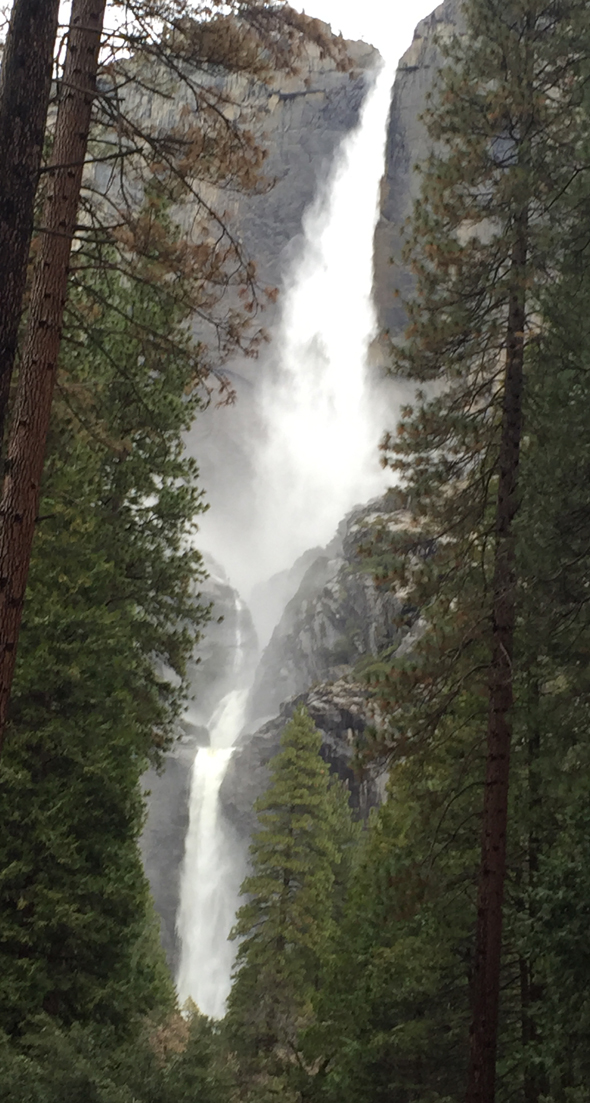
[{"x": 315, "y": 458}]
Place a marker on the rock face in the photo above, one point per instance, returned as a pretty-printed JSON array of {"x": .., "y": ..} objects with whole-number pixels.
[
  {"x": 407, "y": 145},
  {"x": 229, "y": 646},
  {"x": 337, "y": 618},
  {"x": 163, "y": 838},
  {"x": 298, "y": 118},
  {"x": 340, "y": 713}
]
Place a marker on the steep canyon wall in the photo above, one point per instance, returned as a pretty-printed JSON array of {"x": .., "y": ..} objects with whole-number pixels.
[{"x": 333, "y": 613}]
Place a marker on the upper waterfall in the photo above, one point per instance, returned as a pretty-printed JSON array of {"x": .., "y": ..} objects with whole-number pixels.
[
  {"x": 319, "y": 456},
  {"x": 313, "y": 434}
]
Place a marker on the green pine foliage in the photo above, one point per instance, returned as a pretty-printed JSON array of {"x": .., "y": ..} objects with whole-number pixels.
[
  {"x": 552, "y": 719},
  {"x": 287, "y": 925},
  {"x": 393, "y": 1013},
  {"x": 177, "y": 1061},
  {"x": 510, "y": 126},
  {"x": 111, "y": 615}
]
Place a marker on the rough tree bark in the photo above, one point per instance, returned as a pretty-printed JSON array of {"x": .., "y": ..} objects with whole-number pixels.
[
  {"x": 488, "y": 943},
  {"x": 26, "y": 450},
  {"x": 25, "y": 86}
]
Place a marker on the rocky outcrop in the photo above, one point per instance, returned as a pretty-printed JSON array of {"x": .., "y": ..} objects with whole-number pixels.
[
  {"x": 340, "y": 712},
  {"x": 229, "y": 646},
  {"x": 407, "y": 145},
  {"x": 298, "y": 119},
  {"x": 162, "y": 842},
  {"x": 337, "y": 617}
]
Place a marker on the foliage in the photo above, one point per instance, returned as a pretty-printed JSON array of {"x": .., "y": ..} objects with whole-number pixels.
[
  {"x": 112, "y": 614},
  {"x": 392, "y": 1015},
  {"x": 507, "y": 170},
  {"x": 288, "y": 920},
  {"x": 172, "y": 1062}
]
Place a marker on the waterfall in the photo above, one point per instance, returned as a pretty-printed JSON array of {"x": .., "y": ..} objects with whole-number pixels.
[
  {"x": 213, "y": 860},
  {"x": 211, "y": 879},
  {"x": 317, "y": 459},
  {"x": 320, "y": 455}
]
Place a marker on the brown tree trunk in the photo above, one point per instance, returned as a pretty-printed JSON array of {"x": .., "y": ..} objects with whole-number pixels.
[
  {"x": 25, "y": 85},
  {"x": 488, "y": 944},
  {"x": 534, "y": 1080},
  {"x": 26, "y": 451}
]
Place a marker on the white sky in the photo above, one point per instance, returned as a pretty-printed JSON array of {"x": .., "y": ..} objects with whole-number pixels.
[{"x": 386, "y": 24}]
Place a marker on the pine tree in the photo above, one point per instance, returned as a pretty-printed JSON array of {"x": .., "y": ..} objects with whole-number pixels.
[
  {"x": 28, "y": 437},
  {"x": 552, "y": 714},
  {"x": 113, "y": 589},
  {"x": 25, "y": 83},
  {"x": 287, "y": 923},
  {"x": 487, "y": 232}
]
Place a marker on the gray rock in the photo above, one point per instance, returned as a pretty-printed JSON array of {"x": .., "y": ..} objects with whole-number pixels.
[
  {"x": 340, "y": 712},
  {"x": 407, "y": 145},
  {"x": 337, "y": 617},
  {"x": 229, "y": 641}
]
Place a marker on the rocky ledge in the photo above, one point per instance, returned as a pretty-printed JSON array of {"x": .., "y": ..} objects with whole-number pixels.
[{"x": 341, "y": 713}]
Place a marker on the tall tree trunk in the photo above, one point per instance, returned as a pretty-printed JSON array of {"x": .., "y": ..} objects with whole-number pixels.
[
  {"x": 488, "y": 944},
  {"x": 26, "y": 451},
  {"x": 25, "y": 85},
  {"x": 534, "y": 1080}
]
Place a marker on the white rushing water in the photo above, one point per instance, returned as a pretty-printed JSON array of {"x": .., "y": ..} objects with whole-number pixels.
[
  {"x": 320, "y": 456},
  {"x": 317, "y": 459},
  {"x": 213, "y": 858},
  {"x": 210, "y": 883}
]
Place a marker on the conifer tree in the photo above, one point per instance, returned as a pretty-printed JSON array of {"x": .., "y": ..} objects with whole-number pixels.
[
  {"x": 113, "y": 589},
  {"x": 287, "y": 923},
  {"x": 485, "y": 235},
  {"x": 25, "y": 82}
]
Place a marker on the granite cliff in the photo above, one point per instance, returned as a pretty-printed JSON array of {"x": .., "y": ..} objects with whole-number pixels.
[
  {"x": 333, "y": 614},
  {"x": 337, "y": 620},
  {"x": 407, "y": 145}
]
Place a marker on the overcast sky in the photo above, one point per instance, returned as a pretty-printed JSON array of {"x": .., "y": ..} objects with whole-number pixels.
[{"x": 386, "y": 24}]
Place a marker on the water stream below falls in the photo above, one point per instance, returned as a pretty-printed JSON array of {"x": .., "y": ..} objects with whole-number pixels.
[{"x": 317, "y": 460}]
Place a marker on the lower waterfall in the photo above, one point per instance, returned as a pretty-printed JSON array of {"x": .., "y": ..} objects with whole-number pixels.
[
  {"x": 318, "y": 459},
  {"x": 212, "y": 870}
]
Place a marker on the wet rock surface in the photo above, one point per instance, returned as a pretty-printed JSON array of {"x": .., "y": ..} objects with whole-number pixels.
[
  {"x": 164, "y": 833},
  {"x": 340, "y": 712},
  {"x": 228, "y": 638},
  {"x": 337, "y": 617},
  {"x": 407, "y": 145}
]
